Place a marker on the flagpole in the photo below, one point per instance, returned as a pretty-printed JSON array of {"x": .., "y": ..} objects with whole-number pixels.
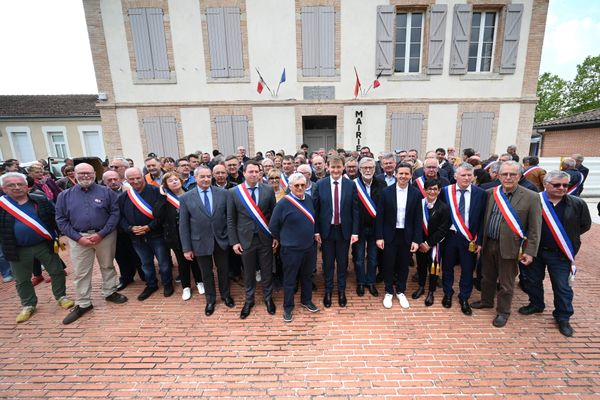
[{"x": 263, "y": 81}]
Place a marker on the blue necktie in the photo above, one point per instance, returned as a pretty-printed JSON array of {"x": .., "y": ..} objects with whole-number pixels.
[
  {"x": 253, "y": 194},
  {"x": 461, "y": 202},
  {"x": 207, "y": 202}
]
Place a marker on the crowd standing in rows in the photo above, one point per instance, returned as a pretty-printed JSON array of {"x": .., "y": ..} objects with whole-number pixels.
[{"x": 265, "y": 220}]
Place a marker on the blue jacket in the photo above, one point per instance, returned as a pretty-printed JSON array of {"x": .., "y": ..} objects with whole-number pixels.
[
  {"x": 324, "y": 208},
  {"x": 387, "y": 210},
  {"x": 476, "y": 210}
]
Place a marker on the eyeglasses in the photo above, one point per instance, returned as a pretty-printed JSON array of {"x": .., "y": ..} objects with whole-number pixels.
[
  {"x": 559, "y": 185},
  {"x": 367, "y": 168},
  {"x": 274, "y": 179},
  {"x": 508, "y": 175},
  {"x": 299, "y": 185},
  {"x": 14, "y": 185},
  {"x": 432, "y": 189},
  {"x": 86, "y": 173}
]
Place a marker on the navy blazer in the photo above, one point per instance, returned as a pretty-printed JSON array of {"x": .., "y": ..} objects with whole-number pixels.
[
  {"x": 324, "y": 208},
  {"x": 387, "y": 210},
  {"x": 476, "y": 210}
]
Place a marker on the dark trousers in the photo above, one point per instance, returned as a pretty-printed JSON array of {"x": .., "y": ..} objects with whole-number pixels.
[
  {"x": 127, "y": 258},
  {"x": 559, "y": 268},
  {"x": 366, "y": 245},
  {"x": 335, "y": 250},
  {"x": 424, "y": 268},
  {"x": 147, "y": 248},
  {"x": 235, "y": 263},
  {"x": 263, "y": 255},
  {"x": 185, "y": 266},
  {"x": 396, "y": 256},
  {"x": 457, "y": 253},
  {"x": 498, "y": 270},
  {"x": 297, "y": 262},
  {"x": 221, "y": 258}
]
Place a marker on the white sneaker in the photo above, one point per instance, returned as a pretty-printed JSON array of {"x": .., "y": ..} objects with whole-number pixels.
[
  {"x": 187, "y": 294},
  {"x": 258, "y": 277},
  {"x": 403, "y": 300},
  {"x": 387, "y": 300},
  {"x": 200, "y": 287}
]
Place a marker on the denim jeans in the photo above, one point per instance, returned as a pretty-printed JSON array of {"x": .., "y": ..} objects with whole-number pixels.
[
  {"x": 148, "y": 247},
  {"x": 366, "y": 244},
  {"x": 4, "y": 265},
  {"x": 559, "y": 268}
]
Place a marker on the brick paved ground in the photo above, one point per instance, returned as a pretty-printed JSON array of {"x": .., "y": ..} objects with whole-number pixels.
[{"x": 168, "y": 348}]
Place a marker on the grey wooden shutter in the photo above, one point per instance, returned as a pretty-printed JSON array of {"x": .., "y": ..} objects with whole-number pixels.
[
  {"x": 217, "y": 42},
  {"x": 158, "y": 44},
  {"x": 384, "y": 51},
  {"x": 168, "y": 128},
  {"x": 510, "y": 44},
  {"x": 225, "y": 134},
  {"x": 461, "y": 30},
  {"x": 141, "y": 43},
  {"x": 476, "y": 132},
  {"x": 235, "y": 61},
  {"x": 406, "y": 131},
  {"x": 437, "y": 36},
  {"x": 153, "y": 136},
  {"x": 326, "y": 41},
  {"x": 240, "y": 131},
  {"x": 310, "y": 41}
]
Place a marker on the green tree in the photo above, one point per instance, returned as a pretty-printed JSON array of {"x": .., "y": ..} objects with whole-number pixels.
[
  {"x": 584, "y": 90},
  {"x": 551, "y": 95}
]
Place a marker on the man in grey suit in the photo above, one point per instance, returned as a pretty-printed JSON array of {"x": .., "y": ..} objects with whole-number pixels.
[
  {"x": 203, "y": 233},
  {"x": 249, "y": 208}
]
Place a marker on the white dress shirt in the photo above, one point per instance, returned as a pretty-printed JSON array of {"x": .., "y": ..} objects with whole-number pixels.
[{"x": 401, "y": 198}]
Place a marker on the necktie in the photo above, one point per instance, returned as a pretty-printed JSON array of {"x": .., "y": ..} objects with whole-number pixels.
[
  {"x": 207, "y": 202},
  {"x": 253, "y": 194},
  {"x": 336, "y": 203},
  {"x": 461, "y": 202}
]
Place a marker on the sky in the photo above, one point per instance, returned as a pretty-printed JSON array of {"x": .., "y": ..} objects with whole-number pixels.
[{"x": 45, "y": 47}]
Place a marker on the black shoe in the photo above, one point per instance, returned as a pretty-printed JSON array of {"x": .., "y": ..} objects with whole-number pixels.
[
  {"x": 465, "y": 307},
  {"x": 229, "y": 302},
  {"x": 342, "y": 301},
  {"x": 168, "y": 290},
  {"x": 327, "y": 300},
  {"x": 500, "y": 321},
  {"x": 479, "y": 305},
  {"x": 360, "y": 290},
  {"x": 447, "y": 301},
  {"x": 429, "y": 299},
  {"x": 210, "y": 309},
  {"x": 373, "y": 290},
  {"x": 565, "y": 328},
  {"x": 117, "y": 298},
  {"x": 287, "y": 316},
  {"x": 147, "y": 293},
  {"x": 122, "y": 285},
  {"x": 418, "y": 293},
  {"x": 270, "y": 306},
  {"x": 310, "y": 306},
  {"x": 530, "y": 309},
  {"x": 76, "y": 313},
  {"x": 246, "y": 310}
]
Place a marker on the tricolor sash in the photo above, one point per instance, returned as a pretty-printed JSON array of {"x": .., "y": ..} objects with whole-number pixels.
[
  {"x": 346, "y": 176},
  {"x": 140, "y": 203},
  {"x": 435, "y": 250},
  {"x": 172, "y": 198},
  {"x": 558, "y": 232},
  {"x": 265, "y": 179},
  {"x": 574, "y": 188},
  {"x": 530, "y": 170},
  {"x": 457, "y": 219},
  {"x": 425, "y": 217},
  {"x": 487, "y": 167},
  {"x": 300, "y": 207},
  {"x": 283, "y": 182},
  {"x": 365, "y": 198},
  {"x": 32, "y": 221},
  {"x": 420, "y": 181},
  {"x": 510, "y": 215},
  {"x": 252, "y": 208}
]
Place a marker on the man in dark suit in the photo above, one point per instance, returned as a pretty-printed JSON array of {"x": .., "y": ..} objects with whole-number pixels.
[
  {"x": 576, "y": 178},
  {"x": 336, "y": 207},
  {"x": 505, "y": 246},
  {"x": 467, "y": 205},
  {"x": 249, "y": 207},
  {"x": 203, "y": 234},
  {"x": 430, "y": 170},
  {"x": 388, "y": 164},
  {"x": 581, "y": 168},
  {"x": 398, "y": 232}
]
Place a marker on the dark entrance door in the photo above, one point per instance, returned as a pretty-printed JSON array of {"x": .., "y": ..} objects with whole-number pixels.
[{"x": 319, "y": 131}]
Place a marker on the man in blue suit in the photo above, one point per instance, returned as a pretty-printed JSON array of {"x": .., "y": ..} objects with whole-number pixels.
[
  {"x": 398, "y": 230},
  {"x": 467, "y": 207},
  {"x": 336, "y": 208}
]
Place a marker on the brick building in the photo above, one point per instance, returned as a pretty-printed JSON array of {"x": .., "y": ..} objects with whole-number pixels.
[
  {"x": 579, "y": 133},
  {"x": 181, "y": 75}
]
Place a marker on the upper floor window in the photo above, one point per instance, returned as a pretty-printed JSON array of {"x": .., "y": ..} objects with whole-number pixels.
[
  {"x": 409, "y": 38},
  {"x": 481, "y": 46},
  {"x": 225, "y": 42},
  {"x": 149, "y": 43},
  {"x": 318, "y": 41}
]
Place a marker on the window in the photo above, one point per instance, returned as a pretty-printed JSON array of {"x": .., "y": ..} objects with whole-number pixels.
[
  {"x": 406, "y": 131},
  {"x": 20, "y": 143},
  {"x": 225, "y": 42},
  {"x": 232, "y": 131},
  {"x": 91, "y": 141},
  {"x": 149, "y": 44},
  {"x": 56, "y": 141},
  {"x": 318, "y": 41},
  {"x": 161, "y": 136},
  {"x": 481, "y": 46},
  {"x": 409, "y": 36},
  {"x": 476, "y": 132}
]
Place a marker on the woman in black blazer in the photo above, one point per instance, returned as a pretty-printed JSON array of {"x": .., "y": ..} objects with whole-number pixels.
[{"x": 437, "y": 215}]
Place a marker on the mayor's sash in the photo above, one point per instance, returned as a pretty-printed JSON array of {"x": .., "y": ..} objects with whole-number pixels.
[
  {"x": 300, "y": 207},
  {"x": 457, "y": 220},
  {"x": 510, "y": 216},
  {"x": 436, "y": 258},
  {"x": 31, "y": 220},
  {"x": 574, "y": 188},
  {"x": 253, "y": 209},
  {"x": 140, "y": 203},
  {"x": 172, "y": 198},
  {"x": 420, "y": 181},
  {"x": 365, "y": 198}
]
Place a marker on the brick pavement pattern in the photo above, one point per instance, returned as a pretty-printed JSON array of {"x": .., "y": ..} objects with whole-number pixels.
[{"x": 165, "y": 348}]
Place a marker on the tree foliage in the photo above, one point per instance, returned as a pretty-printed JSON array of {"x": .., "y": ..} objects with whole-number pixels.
[{"x": 551, "y": 94}]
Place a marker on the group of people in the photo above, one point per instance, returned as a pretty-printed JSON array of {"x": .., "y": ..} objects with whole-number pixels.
[{"x": 265, "y": 220}]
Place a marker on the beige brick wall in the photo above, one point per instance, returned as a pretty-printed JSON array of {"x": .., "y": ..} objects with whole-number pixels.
[
  {"x": 585, "y": 141},
  {"x": 534, "y": 47},
  {"x": 232, "y": 110}
]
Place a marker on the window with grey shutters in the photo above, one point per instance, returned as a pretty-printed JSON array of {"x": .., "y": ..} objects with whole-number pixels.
[
  {"x": 437, "y": 38},
  {"x": 461, "y": 28},
  {"x": 161, "y": 136},
  {"x": 149, "y": 43},
  {"x": 318, "y": 41},
  {"x": 409, "y": 32},
  {"x": 384, "y": 51},
  {"x": 481, "y": 45},
  {"x": 406, "y": 131},
  {"x": 225, "y": 42},
  {"x": 232, "y": 131},
  {"x": 510, "y": 43},
  {"x": 476, "y": 132}
]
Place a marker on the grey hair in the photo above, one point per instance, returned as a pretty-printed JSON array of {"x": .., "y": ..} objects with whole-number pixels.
[
  {"x": 365, "y": 160},
  {"x": 496, "y": 167},
  {"x": 199, "y": 167},
  {"x": 266, "y": 160},
  {"x": 296, "y": 176},
  {"x": 512, "y": 147},
  {"x": 12, "y": 175},
  {"x": 136, "y": 168},
  {"x": 511, "y": 163},
  {"x": 569, "y": 162},
  {"x": 555, "y": 174},
  {"x": 578, "y": 157},
  {"x": 465, "y": 166},
  {"x": 385, "y": 156}
]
